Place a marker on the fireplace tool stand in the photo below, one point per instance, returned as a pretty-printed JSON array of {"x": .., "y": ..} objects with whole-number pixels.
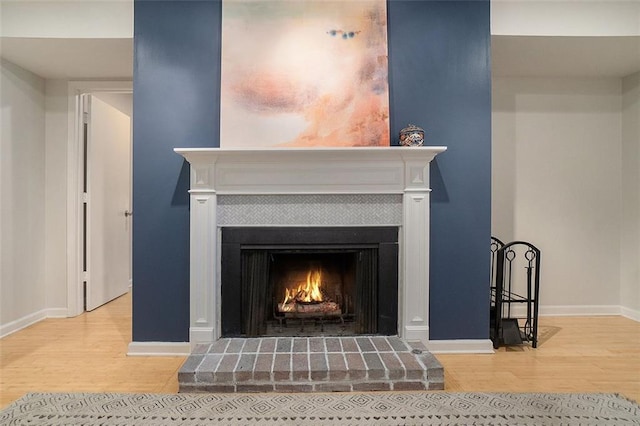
[{"x": 511, "y": 289}]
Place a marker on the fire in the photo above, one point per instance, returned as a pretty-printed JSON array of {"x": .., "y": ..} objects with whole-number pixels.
[
  {"x": 306, "y": 292},
  {"x": 308, "y": 299}
]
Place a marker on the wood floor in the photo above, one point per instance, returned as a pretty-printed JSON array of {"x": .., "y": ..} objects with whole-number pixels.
[{"x": 88, "y": 353}]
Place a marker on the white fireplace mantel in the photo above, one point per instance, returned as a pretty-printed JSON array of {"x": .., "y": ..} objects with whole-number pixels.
[{"x": 282, "y": 171}]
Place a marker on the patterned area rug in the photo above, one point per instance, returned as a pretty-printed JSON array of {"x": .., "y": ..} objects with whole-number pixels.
[{"x": 376, "y": 408}]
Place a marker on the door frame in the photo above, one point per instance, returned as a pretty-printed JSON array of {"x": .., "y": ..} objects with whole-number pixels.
[{"x": 75, "y": 171}]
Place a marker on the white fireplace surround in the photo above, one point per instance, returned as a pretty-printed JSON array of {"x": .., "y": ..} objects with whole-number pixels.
[{"x": 277, "y": 172}]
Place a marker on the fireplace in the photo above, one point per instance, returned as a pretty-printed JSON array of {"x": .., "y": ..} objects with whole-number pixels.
[
  {"x": 294, "y": 281},
  {"x": 293, "y": 190}
]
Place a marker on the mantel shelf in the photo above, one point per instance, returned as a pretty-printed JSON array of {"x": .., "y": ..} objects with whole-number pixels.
[
  {"x": 277, "y": 155},
  {"x": 310, "y": 170}
]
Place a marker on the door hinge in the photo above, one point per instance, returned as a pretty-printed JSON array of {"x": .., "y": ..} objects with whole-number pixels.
[
  {"x": 85, "y": 118},
  {"x": 85, "y": 197},
  {"x": 85, "y": 276}
]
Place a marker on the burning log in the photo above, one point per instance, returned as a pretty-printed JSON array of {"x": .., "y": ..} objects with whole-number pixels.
[
  {"x": 301, "y": 296},
  {"x": 308, "y": 299},
  {"x": 310, "y": 308}
]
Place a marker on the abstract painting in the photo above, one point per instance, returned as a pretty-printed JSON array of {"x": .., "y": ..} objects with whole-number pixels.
[{"x": 304, "y": 73}]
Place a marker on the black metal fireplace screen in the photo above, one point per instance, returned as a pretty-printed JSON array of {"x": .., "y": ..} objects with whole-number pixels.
[{"x": 276, "y": 278}]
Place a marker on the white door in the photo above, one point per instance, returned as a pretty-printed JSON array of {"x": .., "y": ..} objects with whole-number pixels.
[{"x": 108, "y": 218}]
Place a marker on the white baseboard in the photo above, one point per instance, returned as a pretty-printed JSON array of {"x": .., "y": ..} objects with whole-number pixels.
[
  {"x": 24, "y": 322},
  {"x": 27, "y": 320},
  {"x": 159, "y": 349},
  {"x": 569, "y": 311},
  {"x": 579, "y": 311},
  {"x": 461, "y": 346},
  {"x": 632, "y": 314}
]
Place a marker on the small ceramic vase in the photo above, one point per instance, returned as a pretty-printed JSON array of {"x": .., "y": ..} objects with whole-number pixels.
[{"x": 412, "y": 135}]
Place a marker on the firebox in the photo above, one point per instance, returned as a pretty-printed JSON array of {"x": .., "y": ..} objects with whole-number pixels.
[{"x": 284, "y": 281}]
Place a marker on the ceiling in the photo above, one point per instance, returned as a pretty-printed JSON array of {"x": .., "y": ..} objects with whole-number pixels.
[
  {"x": 71, "y": 58},
  {"x": 565, "y": 56},
  {"x": 523, "y": 56}
]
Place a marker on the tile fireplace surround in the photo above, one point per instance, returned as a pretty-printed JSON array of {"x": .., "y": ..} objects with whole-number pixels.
[{"x": 377, "y": 186}]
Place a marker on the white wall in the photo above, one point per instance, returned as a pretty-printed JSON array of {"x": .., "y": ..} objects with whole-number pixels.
[
  {"x": 22, "y": 198},
  {"x": 557, "y": 184},
  {"x": 123, "y": 102},
  {"x": 630, "y": 238},
  {"x": 56, "y": 113}
]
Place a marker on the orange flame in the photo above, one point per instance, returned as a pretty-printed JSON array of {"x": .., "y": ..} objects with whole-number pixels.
[{"x": 306, "y": 292}]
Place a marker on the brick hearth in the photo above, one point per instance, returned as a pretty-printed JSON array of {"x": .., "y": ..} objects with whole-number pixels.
[{"x": 310, "y": 364}]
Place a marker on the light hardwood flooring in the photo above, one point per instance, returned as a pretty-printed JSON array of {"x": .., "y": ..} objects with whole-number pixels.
[
  {"x": 88, "y": 353},
  {"x": 575, "y": 354},
  {"x": 84, "y": 354}
]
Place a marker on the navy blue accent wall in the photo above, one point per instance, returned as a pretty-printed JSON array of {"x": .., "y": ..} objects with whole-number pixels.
[
  {"x": 439, "y": 75},
  {"x": 440, "y": 79},
  {"x": 176, "y": 103}
]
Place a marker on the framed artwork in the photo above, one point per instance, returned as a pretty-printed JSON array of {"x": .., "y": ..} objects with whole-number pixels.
[{"x": 304, "y": 73}]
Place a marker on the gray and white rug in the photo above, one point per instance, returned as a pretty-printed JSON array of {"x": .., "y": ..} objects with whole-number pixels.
[{"x": 375, "y": 408}]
